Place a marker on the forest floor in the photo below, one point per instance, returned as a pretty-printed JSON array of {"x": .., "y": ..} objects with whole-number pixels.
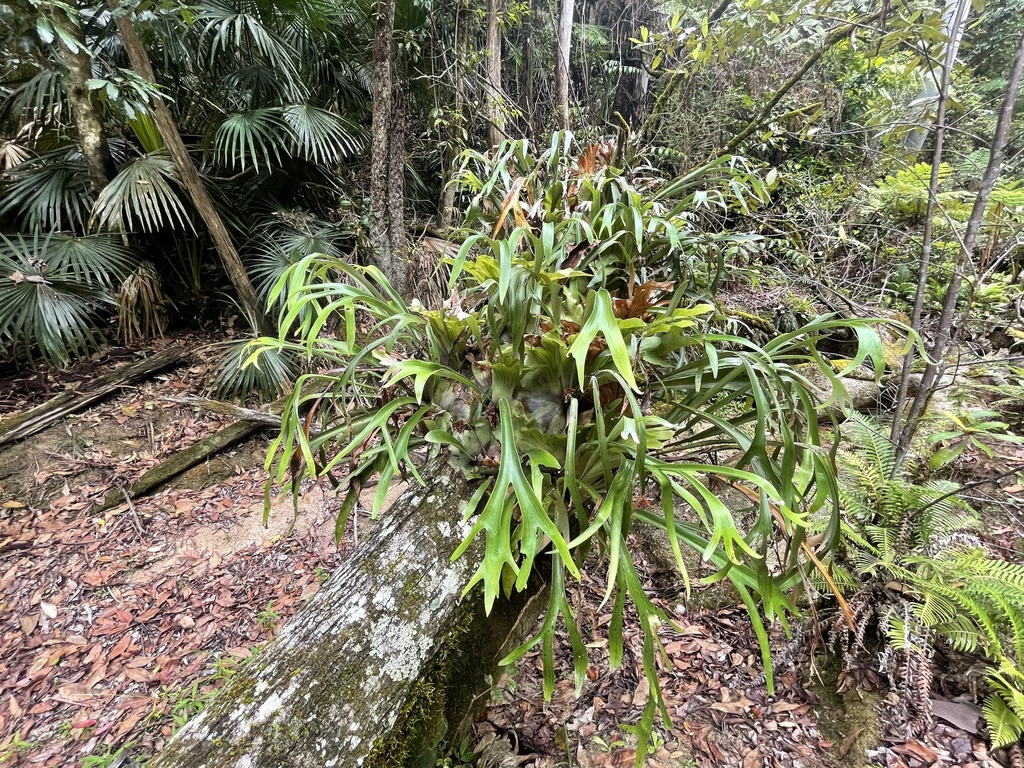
[{"x": 116, "y": 626}]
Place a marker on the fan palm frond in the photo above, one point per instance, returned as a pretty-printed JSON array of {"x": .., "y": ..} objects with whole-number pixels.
[
  {"x": 257, "y": 83},
  {"x": 228, "y": 28},
  {"x": 321, "y": 136},
  {"x": 40, "y": 98},
  {"x": 141, "y": 197},
  {"x": 12, "y": 155},
  {"x": 279, "y": 246},
  {"x": 49, "y": 192},
  {"x": 245, "y": 139},
  {"x": 92, "y": 259},
  {"x": 271, "y": 374},
  {"x": 48, "y": 301}
]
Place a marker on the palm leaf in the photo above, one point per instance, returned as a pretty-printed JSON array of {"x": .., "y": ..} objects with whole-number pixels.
[
  {"x": 320, "y": 136},
  {"x": 245, "y": 139},
  {"x": 50, "y": 294},
  {"x": 49, "y": 192},
  {"x": 141, "y": 197}
]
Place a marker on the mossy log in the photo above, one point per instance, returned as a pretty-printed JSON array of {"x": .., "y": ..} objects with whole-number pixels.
[
  {"x": 363, "y": 674},
  {"x": 27, "y": 423},
  {"x": 183, "y": 460}
]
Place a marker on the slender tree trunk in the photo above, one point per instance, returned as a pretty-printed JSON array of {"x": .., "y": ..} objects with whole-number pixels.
[
  {"x": 898, "y": 425},
  {"x": 229, "y": 258},
  {"x": 448, "y": 199},
  {"x": 529, "y": 97},
  {"x": 387, "y": 156},
  {"x": 562, "y": 66},
  {"x": 493, "y": 108},
  {"x": 396, "y": 192},
  {"x": 85, "y": 108},
  {"x": 946, "y": 335}
]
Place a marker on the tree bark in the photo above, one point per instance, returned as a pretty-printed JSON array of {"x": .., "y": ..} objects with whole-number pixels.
[
  {"x": 362, "y": 674},
  {"x": 899, "y": 432},
  {"x": 494, "y": 111},
  {"x": 85, "y": 108},
  {"x": 562, "y": 66},
  {"x": 229, "y": 258},
  {"x": 387, "y": 156}
]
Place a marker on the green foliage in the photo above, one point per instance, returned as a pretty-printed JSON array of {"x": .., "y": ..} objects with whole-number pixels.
[
  {"x": 285, "y": 239},
  {"x": 49, "y": 193},
  {"x": 563, "y": 385},
  {"x": 52, "y": 289},
  {"x": 142, "y": 197},
  {"x": 972, "y": 428},
  {"x": 926, "y": 575},
  {"x": 617, "y": 221},
  {"x": 235, "y": 378}
]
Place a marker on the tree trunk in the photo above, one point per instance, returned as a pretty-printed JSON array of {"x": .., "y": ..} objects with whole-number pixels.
[
  {"x": 953, "y": 17},
  {"x": 494, "y": 111},
  {"x": 85, "y": 108},
  {"x": 365, "y": 673},
  {"x": 187, "y": 170},
  {"x": 562, "y": 65},
  {"x": 901, "y": 431},
  {"x": 387, "y": 156},
  {"x": 944, "y": 335}
]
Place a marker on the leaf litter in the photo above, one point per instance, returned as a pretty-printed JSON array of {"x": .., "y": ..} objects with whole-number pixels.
[{"x": 113, "y": 627}]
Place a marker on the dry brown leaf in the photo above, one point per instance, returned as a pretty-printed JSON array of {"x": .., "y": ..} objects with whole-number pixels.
[
  {"x": 850, "y": 740},
  {"x": 916, "y": 749},
  {"x": 29, "y": 623}
]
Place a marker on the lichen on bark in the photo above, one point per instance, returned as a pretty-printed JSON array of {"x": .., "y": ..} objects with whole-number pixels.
[{"x": 338, "y": 674}]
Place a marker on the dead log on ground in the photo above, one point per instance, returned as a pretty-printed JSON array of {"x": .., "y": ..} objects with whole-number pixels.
[
  {"x": 270, "y": 417},
  {"x": 380, "y": 665},
  {"x": 22, "y": 425},
  {"x": 182, "y": 460}
]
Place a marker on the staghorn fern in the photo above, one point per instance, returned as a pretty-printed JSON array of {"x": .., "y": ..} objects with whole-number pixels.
[{"x": 911, "y": 549}]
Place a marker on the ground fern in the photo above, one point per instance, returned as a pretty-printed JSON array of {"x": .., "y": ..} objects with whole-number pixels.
[{"x": 923, "y": 576}]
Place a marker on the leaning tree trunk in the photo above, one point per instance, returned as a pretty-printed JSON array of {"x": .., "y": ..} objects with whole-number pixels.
[
  {"x": 85, "y": 108},
  {"x": 562, "y": 66},
  {"x": 229, "y": 258},
  {"x": 379, "y": 665}
]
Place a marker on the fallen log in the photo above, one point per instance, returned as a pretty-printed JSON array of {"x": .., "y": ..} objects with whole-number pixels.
[
  {"x": 270, "y": 417},
  {"x": 182, "y": 460},
  {"x": 27, "y": 423},
  {"x": 380, "y": 665}
]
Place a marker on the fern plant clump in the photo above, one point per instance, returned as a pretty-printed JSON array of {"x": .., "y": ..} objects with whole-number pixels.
[
  {"x": 921, "y": 575},
  {"x": 563, "y": 380}
]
